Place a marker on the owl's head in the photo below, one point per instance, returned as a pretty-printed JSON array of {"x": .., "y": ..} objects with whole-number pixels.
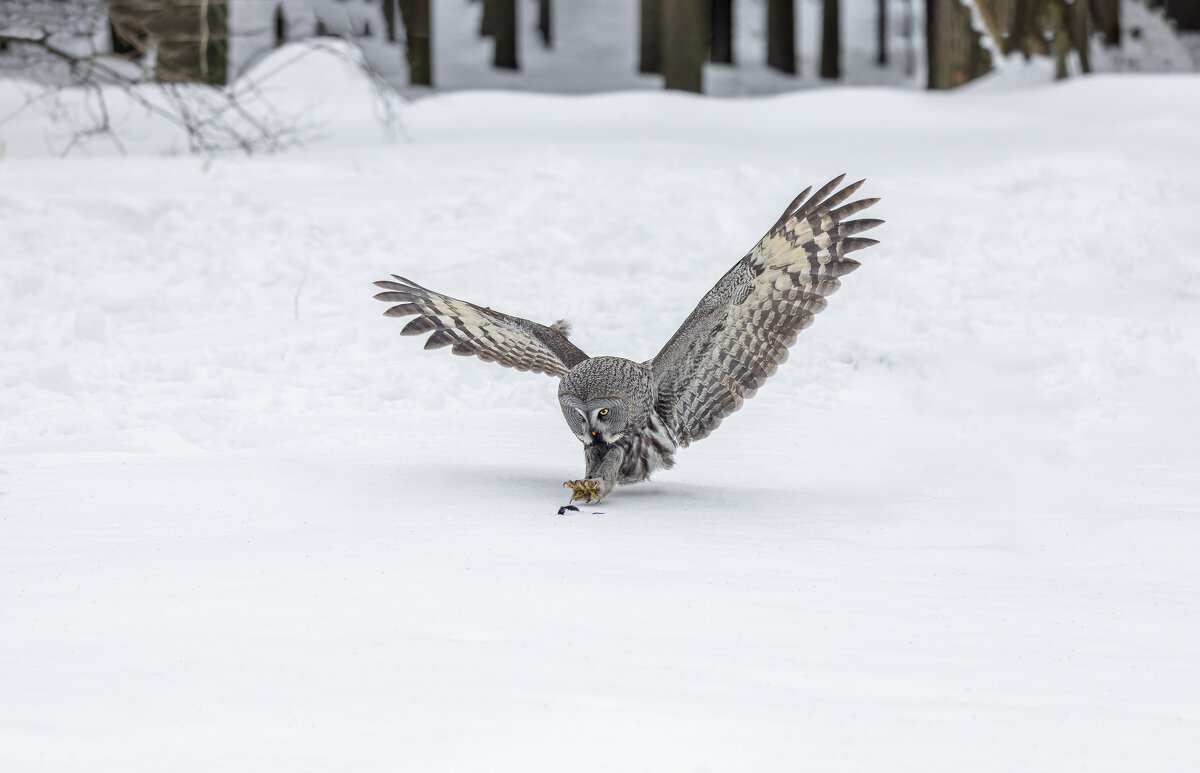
[
  {"x": 599, "y": 420},
  {"x": 605, "y": 397}
]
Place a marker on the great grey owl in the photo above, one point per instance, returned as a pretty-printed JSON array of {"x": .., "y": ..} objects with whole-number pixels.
[{"x": 631, "y": 416}]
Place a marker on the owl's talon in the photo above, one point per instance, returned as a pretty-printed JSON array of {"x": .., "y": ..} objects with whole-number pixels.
[{"x": 587, "y": 490}]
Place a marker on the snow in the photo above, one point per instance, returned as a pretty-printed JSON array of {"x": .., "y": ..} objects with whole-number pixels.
[{"x": 245, "y": 525}]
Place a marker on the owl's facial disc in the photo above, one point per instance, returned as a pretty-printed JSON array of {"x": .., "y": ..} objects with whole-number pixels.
[
  {"x": 575, "y": 412},
  {"x": 606, "y": 419},
  {"x": 601, "y": 420}
]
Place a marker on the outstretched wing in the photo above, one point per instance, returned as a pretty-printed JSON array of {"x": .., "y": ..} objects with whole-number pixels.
[
  {"x": 489, "y": 335},
  {"x": 740, "y": 332}
]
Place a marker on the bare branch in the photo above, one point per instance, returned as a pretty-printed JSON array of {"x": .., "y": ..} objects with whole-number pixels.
[{"x": 214, "y": 119}]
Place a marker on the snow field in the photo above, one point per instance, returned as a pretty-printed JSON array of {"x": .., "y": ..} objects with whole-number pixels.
[{"x": 246, "y": 525}]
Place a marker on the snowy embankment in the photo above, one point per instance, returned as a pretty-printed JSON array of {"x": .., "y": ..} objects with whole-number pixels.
[{"x": 245, "y": 525}]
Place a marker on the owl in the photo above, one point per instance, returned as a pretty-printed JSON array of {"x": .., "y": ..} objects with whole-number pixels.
[{"x": 630, "y": 416}]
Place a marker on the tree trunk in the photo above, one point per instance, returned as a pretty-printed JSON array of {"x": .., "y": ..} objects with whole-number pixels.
[
  {"x": 881, "y": 36},
  {"x": 721, "y": 40},
  {"x": 1041, "y": 29},
  {"x": 544, "y": 28},
  {"x": 1186, "y": 14},
  {"x": 281, "y": 26},
  {"x": 1108, "y": 20},
  {"x": 684, "y": 44},
  {"x": 417, "y": 41},
  {"x": 1062, "y": 38},
  {"x": 933, "y": 62},
  {"x": 987, "y": 14},
  {"x": 128, "y": 24},
  {"x": 191, "y": 36},
  {"x": 953, "y": 52},
  {"x": 214, "y": 62},
  {"x": 650, "y": 58},
  {"x": 1022, "y": 28},
  {"x": 487, "y": 19},
  {"x": 909, "y": 31},
  {"x": 831, "y": 55},
  {"x": 1081, "y": 33},
  {"x": 505, "y": 33},
  {"x": 781, "y": 35},
  {"x": 389, "y": 19}
]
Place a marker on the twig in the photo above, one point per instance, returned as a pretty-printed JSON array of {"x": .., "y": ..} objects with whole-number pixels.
[{"x": 236, "y": 117}]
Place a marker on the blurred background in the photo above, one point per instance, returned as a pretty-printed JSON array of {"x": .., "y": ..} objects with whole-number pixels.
[{"x": 719, "y": 47}]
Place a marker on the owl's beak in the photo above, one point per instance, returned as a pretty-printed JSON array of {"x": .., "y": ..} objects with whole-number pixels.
[{"x": 595, "y": 433}]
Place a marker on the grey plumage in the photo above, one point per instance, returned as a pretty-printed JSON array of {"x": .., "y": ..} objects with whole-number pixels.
[
  {"x": 489, "y": 335},
  {"x": 741, "y": 330},
  {"x": 632, "y": 416}
]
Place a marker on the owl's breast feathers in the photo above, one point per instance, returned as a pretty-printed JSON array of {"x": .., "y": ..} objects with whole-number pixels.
[
  {"x": 646, "y": 441},
  {"x": 650, "y": 448}
]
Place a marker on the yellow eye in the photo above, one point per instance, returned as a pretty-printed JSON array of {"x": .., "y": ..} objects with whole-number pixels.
[{"x": 604, "y": 412}]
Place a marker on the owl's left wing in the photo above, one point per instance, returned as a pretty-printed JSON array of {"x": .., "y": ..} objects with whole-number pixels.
[
  {"x": 468, "y": 329},
  {"x": 741, "y": 330}
]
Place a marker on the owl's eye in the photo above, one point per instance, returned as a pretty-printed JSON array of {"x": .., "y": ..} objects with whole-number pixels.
[{"x": 603, "y": 412}]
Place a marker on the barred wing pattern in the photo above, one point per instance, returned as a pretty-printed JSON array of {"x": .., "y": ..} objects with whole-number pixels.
[
  {"x": 489, "y": 335},
  {"x": 740, "y": 332}
]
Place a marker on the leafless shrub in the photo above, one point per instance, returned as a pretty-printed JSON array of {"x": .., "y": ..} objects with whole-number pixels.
[{"x": 84, "y": 89}]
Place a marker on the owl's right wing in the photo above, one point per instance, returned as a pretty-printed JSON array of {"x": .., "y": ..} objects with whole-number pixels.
[
  {"x": 741, "y": 330},
  {"x": 489, "y": 335}
]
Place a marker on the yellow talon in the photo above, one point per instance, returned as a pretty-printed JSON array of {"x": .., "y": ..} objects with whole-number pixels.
[{"x": 587, "y": 490}]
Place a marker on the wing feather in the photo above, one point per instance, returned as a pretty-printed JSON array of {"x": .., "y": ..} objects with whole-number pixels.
[
  {"x": 467, "y": 329},
  {"x": 740, "y": 332}
]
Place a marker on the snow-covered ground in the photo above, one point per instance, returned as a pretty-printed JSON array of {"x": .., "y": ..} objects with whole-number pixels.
[{"x": 245, "y": 526}]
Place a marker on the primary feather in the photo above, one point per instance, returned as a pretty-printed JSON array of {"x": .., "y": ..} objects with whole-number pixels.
[
  {"x": 741, "y": 330},
  {"x": 513, "y": 342}
]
